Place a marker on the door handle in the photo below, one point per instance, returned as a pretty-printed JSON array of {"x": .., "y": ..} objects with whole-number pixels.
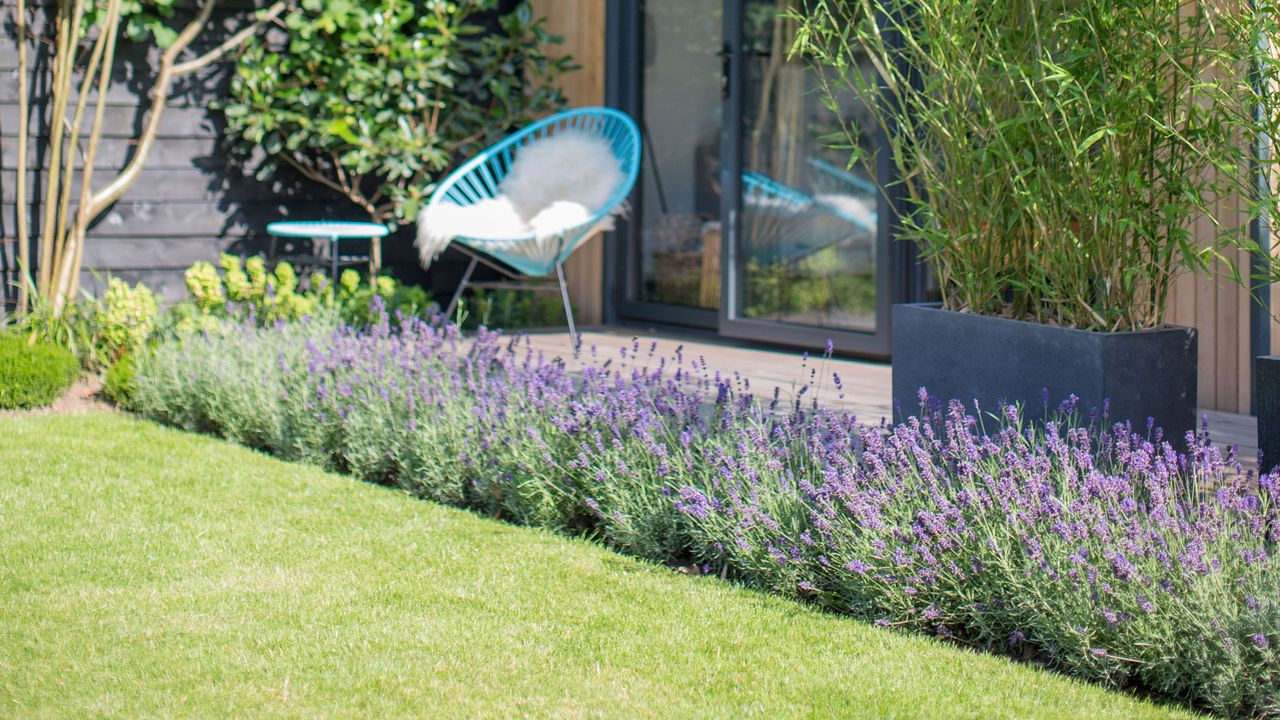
[{"x": 726, "y": 65}]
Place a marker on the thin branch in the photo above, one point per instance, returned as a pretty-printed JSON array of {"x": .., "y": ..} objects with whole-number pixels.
[
  {"x": 160, "y": 96},
  {"x": 63, "y": 228},
  {"x": 312, "y": 174},
  {"x": 233, "y": 42}
]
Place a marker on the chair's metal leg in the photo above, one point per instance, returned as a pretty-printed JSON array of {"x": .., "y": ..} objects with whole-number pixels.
[
  {"x": 568, "y": 310},
  {"x": 333, "y": 260},
  {"x": 457, "y": 294}
]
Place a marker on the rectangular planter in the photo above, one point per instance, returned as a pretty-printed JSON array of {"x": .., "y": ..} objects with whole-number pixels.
[
  {"x": 1266, "y": 378},
  {"x": 1148, "y": 373}
]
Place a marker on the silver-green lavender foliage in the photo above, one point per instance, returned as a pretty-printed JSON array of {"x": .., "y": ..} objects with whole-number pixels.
[{"x": 1094, "y": 549}]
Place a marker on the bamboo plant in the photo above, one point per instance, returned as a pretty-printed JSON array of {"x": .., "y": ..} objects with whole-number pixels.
[{"x": 1054, "y": 156}]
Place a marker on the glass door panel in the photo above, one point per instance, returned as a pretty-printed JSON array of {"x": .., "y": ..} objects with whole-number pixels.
[
  {"x": 679, "y": 238},
  {"x": 809, "y": 247}
]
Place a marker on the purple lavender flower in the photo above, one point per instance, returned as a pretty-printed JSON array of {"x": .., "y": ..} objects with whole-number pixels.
[{"x": 693, "y": 502}]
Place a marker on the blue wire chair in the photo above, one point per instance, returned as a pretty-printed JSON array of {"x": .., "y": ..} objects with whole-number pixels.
[{"x": 530, "y": 256}]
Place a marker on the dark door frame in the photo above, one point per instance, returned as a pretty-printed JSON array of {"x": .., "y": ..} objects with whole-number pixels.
[
  {"x": 624, "y": 89},
  {"x": 899, "y": 275}
]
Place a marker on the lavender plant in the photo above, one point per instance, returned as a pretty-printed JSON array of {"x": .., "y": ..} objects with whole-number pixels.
[{"x": 1093, "y": 548}]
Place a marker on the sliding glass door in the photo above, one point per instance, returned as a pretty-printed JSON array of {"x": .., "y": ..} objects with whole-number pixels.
[
  {"x": 672, "y": 264},
  {"x": 746, "y": 221}
]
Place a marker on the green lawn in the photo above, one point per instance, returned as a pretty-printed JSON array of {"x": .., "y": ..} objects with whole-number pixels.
[{"x": 146, "y": 572}]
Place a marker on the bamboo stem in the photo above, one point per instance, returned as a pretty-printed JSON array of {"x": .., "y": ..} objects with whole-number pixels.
[
  {"x": 64, "y": 229},
  {"x": 69, "y": 269},
  {"x": 68, "y": 28}
]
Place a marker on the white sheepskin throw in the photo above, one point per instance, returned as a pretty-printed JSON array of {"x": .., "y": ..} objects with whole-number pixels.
[{"x": 554, "y": 183}]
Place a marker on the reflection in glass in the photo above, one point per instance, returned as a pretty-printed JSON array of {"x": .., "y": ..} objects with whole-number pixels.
[
  {"x": 807, "y": 249},
  {"x": 679, "y": 253}
]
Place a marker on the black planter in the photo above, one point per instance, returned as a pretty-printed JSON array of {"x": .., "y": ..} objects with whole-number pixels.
[
  {"x": 1266, "y": 379},
  {"x": 1149, "y": 373}
]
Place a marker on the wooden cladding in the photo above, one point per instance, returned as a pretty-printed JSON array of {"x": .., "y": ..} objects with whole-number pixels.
[{"x": 581, "y": 24}]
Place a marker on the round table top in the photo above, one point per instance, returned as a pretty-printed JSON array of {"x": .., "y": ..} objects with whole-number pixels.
[{"x": 326, "y": 228}]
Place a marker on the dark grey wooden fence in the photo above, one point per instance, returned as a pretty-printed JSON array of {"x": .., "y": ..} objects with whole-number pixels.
[{"x": 193, "y": 200}]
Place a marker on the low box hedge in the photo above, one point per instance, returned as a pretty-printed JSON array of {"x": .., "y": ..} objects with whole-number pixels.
[{"x": 33, "y": 375}]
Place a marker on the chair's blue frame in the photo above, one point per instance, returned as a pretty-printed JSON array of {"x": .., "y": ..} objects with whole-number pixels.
[{"x": 478, "y": 179}]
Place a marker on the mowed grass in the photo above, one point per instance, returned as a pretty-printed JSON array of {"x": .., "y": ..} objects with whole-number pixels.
[{"x": 148, "y": 572}]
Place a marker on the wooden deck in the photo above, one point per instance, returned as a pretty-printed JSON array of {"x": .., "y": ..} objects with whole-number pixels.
[{"x": 867, "y": 385}]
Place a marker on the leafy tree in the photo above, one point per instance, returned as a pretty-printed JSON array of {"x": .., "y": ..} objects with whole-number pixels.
[{"x": 376, "y": 99}]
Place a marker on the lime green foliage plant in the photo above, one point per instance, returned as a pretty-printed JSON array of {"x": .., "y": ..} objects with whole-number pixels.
[
  {"x": 247, "y": 289},
  {"x": 125, "y": 317},
  {"x": 1053, "y": 156},
  {"x": 375, "y": 100},
  {"x": 96, "y": 330},
  {"x": 356, "y": 299},
  {"x": 244, "y": 289},
  {"x": 33, "y": 374}
]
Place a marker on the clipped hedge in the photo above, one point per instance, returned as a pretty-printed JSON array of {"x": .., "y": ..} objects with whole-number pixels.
[
  {"x": 33, "y": 375},
  {"x": 1083, "y": 546}
]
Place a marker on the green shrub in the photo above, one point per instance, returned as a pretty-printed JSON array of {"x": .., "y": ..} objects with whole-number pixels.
[
  {"x": 512, "y": 309},
  {"x": 124, "y": 318},
  {"x": 377, "y": 99},
  {"x": 121, "y": 382},
  {"x": 33, "y": 375}
]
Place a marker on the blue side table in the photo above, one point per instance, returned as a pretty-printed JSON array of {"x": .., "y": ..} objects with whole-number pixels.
[{"x": 330, "y": 232}]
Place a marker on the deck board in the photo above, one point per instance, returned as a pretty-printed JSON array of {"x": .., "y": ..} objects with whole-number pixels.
[{"x": 867, "y": 386}]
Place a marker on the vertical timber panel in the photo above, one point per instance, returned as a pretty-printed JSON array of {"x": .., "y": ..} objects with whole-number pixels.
[
  {"x": 581, "y": 24},
  {"x": 1206, "y": 304},
  {"x": 1229, "y": 337},
  {"x": 1220, "y": 309}
]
